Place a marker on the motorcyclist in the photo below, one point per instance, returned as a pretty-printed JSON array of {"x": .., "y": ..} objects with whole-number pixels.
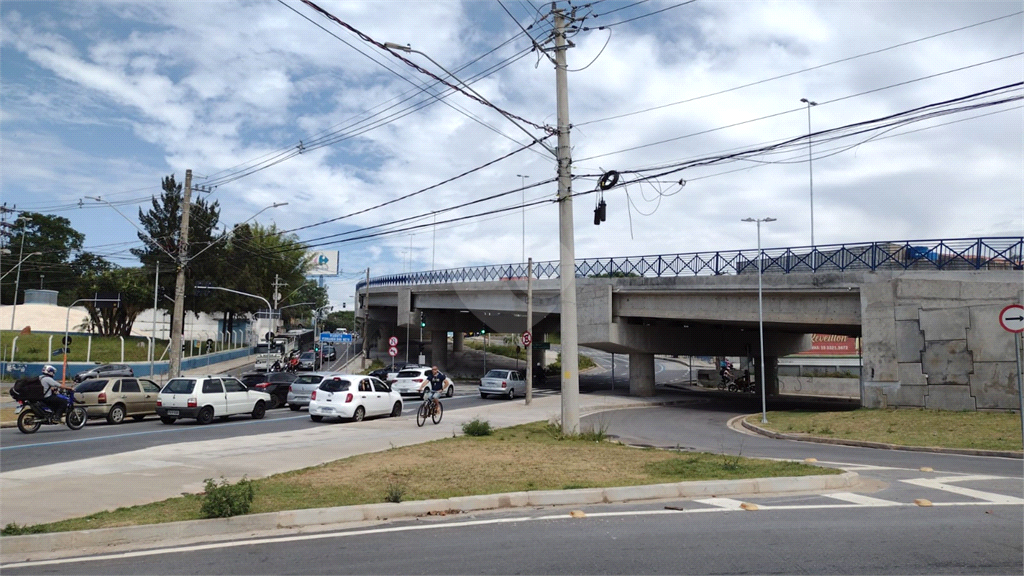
[{"x": 51, "y": 389}]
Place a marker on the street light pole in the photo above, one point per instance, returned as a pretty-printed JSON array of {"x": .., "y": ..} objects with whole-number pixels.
[
  {"x": 17, "y": 281},
  {"x": 810, "y": 170},
  {"x": 760, "y": 312},
  {"x": 522, "y": 186}
]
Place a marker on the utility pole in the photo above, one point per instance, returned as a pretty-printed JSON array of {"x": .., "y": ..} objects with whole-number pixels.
[
  {"x": 529, "y": 330},
  {"x": 366, "y": 320},
  {"x": 567, "y": 255},
  {"x": 277, "y": 298},
  {"x": 156, "y": 304},
  {"x": 174, "y": 368}
]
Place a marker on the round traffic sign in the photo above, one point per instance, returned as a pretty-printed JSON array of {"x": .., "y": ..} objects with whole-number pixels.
[
  {"x": 1011, "y": 318},
  {"x": 393, "y": 341},
  {"x": 65, "y": 340},
  {"x": 527, "y": 338},
  {"x": 393, "y": 351}
]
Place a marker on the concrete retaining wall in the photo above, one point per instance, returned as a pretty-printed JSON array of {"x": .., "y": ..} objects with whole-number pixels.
[{"x": 818, "y": 386}]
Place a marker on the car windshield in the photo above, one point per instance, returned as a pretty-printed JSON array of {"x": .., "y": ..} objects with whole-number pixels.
[
  {"x": 94, "y": 385},
  {"x": 180, "y": 386},
  {"x": 307, "y": 356},
  {"x": 333, "y": 385},
  {"x": 496, "y": 374},
  {"x": 410, "y": 373}
]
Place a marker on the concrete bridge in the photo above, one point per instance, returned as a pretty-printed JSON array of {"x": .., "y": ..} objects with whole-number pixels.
[{"x": 926, "y": 311}]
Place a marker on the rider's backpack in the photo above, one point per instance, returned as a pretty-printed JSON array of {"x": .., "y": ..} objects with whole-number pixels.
[{"x": 29, "y": 388}]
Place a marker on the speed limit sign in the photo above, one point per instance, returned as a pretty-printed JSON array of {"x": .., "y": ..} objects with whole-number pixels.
[
  {"x": 393, "y": 351},
  {"x": 393, "y": 341}
]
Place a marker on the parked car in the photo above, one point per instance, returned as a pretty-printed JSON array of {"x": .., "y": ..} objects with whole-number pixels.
[
  {"x": 329, "y": 352},
  {"x": 300, "y": 390},
  {"x": 393, "y": 374},
  {"x": 273, "y": 383},
  {"x": 506, "y": 383},
  {"x": 408, "y": 383},
  {"x": 104, "y": 371},
  {"x": 307, "y": 361},
  {"x": 207, "y": 397},
  {"x": 116, "y": 398},
  {"x": 355, "y": 397}
]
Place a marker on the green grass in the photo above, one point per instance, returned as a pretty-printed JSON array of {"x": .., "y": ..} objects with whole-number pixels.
[
  {"x": 532, "y": 456},
  {"x": 906, "y": 427},
  {"x": 33, "y": 348}
]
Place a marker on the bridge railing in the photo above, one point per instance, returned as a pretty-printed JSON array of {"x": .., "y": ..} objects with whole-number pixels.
[{"x": 995, "y": 253}]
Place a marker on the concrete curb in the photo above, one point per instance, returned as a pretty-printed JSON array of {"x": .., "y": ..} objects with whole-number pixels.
[
  {"x": 66, "y": 544},
  {"x": 866, "y": 444}
]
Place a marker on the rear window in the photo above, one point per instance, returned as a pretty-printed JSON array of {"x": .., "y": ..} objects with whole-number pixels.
[
  {"x": 180, "y": 386},
  {"x": 308, "y": 379},
  {"x": 496, "y": 374},
  {"x": 252, "y": 379},
  {"x": 94, "y": 385},
  {"x": 281, "y": 377},
  {"x": 410, "y": 373},
  {"x": 334, "y": 385}
]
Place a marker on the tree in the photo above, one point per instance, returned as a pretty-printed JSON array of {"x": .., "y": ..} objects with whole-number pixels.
[
  {"x": 340, "y": 319},
  {"x": 135, "y": 291},
  {"x": 61, "y": 258}
]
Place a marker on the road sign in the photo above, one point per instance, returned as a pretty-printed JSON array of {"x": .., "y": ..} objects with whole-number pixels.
[
  {"x": 527, "y": 338},
  {"x": 393, "y": 351},
  {"x": 393, "y": 341},
  {"x": 542, "y": 345},
  {"x": 1012, "y": 318},
  {"x": 335, "y": 337},
  {"x": 65, "y": 340}
]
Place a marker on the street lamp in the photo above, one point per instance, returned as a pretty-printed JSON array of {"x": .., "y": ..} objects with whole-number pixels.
[
  {"x": 522, "y": 186},
  {"x": 760, "y": 311},
  {"x": 17, "y": 282},
  {"x": 810, "y": 170}
]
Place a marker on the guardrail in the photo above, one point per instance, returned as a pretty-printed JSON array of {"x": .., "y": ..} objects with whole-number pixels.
[{"x": 997, "y": 253}]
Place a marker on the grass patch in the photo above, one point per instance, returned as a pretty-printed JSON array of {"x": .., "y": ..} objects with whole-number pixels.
[
  {"x": 906, "y": 427},
  {"x": 555, "y": 368},
  {"x": 526, "y": 457}
]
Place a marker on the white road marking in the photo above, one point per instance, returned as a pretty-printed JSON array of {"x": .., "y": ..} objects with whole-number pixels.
[
  {"x": 942, "y": 484},
  {"x": 727, "y": 503},
  {"x": 861, "y": 499}
]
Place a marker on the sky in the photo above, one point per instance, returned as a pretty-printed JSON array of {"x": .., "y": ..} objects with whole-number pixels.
[{"x": 275, "y": 101}]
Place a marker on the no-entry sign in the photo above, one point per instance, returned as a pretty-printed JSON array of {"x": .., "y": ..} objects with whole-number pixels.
[
  {"x": 393, "y": 351},
  {"x": 393, "y": 341}
]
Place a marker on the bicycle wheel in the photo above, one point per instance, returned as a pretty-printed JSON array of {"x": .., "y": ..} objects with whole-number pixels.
[
  {"x": 438, "y": 412},
  {"x": 421, "y": 414}
]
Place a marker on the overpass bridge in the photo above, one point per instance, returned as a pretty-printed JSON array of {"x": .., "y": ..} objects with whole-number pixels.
[{"x": 926, "y": 311}]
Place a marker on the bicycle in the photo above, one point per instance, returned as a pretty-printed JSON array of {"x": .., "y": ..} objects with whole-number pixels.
[{"x": 433, "y": 410}]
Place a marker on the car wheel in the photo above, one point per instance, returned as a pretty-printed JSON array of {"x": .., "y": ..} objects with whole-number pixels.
[
  {"x": 139, "y": 418},
  {"x": 167, "y": 419},
  {"x": 450, "y": 392},
  {"x": 359, "y": 415},
  {"x": 205, "y": 416},
  {"x": 511, "y": 393},
  {"x": 315, "y": 418},
  {"x": 294, "y": 407},
  {"x": 396, "y": 410},
  {"x": 259, "y": 410},
  {"x": 482, "y": 395},
  {"x": 116, "y": 414}
]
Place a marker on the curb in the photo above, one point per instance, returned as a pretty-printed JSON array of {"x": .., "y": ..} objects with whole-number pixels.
[
  {"x": 66, "y": 544},
  {"x": 865, "y": 444}
]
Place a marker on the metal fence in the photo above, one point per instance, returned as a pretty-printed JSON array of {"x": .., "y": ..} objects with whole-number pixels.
[{"x": 999, "y": 253}]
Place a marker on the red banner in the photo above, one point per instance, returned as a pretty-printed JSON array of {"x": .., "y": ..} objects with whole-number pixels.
[{"x": 832, "y": 345}]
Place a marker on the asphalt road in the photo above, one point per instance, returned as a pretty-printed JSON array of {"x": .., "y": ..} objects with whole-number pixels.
[{"x": 973, "y": 525}]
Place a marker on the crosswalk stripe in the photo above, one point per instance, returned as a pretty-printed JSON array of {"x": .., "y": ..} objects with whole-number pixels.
[
  {"x": 970, "y": 493},
  {"x": 860, "y": 499},
  {"x": 727, "y": 503}
]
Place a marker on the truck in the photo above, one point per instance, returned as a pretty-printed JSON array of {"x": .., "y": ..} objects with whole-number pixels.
[{"x": 266, "y": 355}]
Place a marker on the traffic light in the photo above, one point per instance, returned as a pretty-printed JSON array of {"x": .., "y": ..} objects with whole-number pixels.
[
  {"x": 423, "y": 320},
  {"x": 483, "y": 331}
]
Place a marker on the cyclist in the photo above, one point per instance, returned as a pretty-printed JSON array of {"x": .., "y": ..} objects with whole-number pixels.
[
  {"x": 50, "y": 389},
  {"x": 436, "y": 382}
]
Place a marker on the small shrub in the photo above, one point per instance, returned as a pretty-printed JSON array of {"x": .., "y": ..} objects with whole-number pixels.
[
  {"x": 14, "y": 529},
  {"x": 226, "y": 499},
  {"x": 394, "y": 492},
  {"x": 477, "y": 428}
]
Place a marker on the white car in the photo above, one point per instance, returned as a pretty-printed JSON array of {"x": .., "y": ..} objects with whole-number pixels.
[
  {"x": 353, "y": 396},
  {"x": 409, "y": 380},
  {"x": 505, "y": 383},
  {"x": 207, "y": 397}
]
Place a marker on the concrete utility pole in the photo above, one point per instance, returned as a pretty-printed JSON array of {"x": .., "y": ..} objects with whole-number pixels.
[
  {"x": 277, "y": 298},
  {"x": 17, "y": 281},
  {"x": 567, "y": 259},
  {"x": 156, "y": 303},
  {"x": 174, "y": 367},
  {"x": 529, "y": 329},
  {"x": 366, "y": 321}
]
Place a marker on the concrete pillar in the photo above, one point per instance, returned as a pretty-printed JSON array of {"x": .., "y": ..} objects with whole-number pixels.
[
  {"x": 641, "y": 374},
  {"x": 458, "y": 340},
  {"x": 771, "y": 376},
  {"x": 439, "y": 349}
]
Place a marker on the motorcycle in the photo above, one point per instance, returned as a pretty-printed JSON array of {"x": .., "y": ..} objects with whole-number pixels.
[{"x": 34, "y": 413}]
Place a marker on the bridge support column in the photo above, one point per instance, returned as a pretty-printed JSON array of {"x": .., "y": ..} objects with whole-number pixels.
[
  {"x": 458, "y": 340},
  {"x": 439, "y": 349},
  {"x": 771, "y": 376},
  {"x": 641, "y": 374}
]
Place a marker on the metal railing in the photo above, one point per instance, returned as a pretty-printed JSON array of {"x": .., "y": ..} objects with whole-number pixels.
[{"x": 997, "y": 253}]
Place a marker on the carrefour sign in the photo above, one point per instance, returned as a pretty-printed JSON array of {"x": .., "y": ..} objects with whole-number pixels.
[{"x": 324, "y": 262}]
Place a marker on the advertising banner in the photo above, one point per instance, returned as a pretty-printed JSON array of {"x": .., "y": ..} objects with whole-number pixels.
[
  {"x": 325, "y": 262},
  {"x": 832, "y": 345}
]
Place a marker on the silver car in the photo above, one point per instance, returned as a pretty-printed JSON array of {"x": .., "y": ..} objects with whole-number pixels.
[
  {"x": 300, "y": 390},
  {"x": 507, "y": 383}
]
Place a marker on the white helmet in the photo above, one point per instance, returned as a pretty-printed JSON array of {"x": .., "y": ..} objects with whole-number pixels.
[{"x": 49, "y": 370}]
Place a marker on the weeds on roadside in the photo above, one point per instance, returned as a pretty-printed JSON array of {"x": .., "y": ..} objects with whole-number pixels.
[
  {"x": 394, "y": 491},
  {"x": 15, "y": 529},
  {"x": 596, "y": 433},
  {"x": 226, "y": 499},
  {"x": 476, "y": 427}
]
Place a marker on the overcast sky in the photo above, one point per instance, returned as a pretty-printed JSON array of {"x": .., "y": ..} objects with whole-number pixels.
[{"x": 106, "y": 98}]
